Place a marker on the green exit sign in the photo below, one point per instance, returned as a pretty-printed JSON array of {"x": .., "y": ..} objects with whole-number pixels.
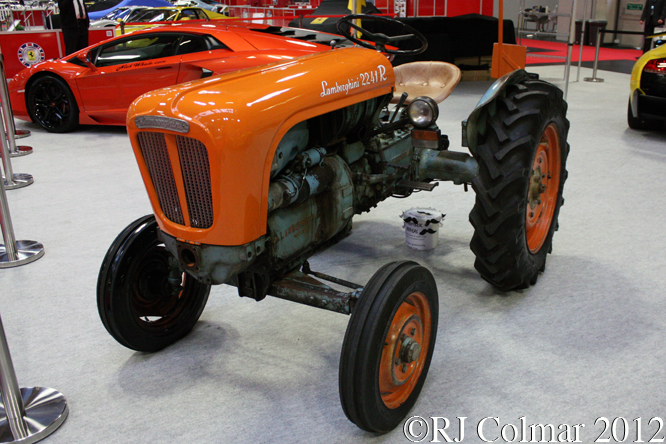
[{"x": 634, "y": 7}]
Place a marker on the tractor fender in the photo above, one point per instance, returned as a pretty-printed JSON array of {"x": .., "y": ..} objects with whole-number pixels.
[
  {"x": 476, "y": 121},
  {"x": 240, "y": 118}
]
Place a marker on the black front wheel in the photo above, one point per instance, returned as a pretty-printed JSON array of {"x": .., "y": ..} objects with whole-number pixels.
[
  {"x": 145, "y": 300},
  {"x": 388, "y": 346},
  {"x": 638, "y": 123},
  {"x": 52, "y": 105},
  {"x": 522, "y": 169}
]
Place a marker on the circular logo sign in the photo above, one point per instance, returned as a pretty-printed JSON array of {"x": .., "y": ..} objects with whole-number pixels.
[{"x": 30, "y": 53}]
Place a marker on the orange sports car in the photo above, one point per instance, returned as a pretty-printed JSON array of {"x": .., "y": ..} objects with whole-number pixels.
[{"x": 97, "y": 84}]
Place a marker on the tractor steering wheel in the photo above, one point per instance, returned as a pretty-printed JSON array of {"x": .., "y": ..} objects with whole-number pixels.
[{"x": 346, "y": 24}]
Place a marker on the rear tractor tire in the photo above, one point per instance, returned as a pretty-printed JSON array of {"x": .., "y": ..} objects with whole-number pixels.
[{"x": 522, "y": 169}]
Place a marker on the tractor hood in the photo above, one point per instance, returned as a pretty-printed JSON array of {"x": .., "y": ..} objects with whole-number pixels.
[{"x": 205, "y": 148}]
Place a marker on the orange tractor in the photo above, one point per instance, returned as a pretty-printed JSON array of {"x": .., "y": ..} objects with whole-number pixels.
[{"x": 250, "y": 173}]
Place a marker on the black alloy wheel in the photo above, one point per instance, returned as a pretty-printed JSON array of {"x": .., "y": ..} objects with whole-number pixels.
[{"x": 52, "y": 105}]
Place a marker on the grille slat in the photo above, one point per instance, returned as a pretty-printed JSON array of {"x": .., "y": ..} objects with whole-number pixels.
[
  {"x": 196, "y": 178},
  {"x": 154, "y": 150}
]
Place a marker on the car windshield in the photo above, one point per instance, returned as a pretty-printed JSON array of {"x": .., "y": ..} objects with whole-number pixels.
[
  {"x": 156, "y": 15},
  {"x": 115, "y": 14},
  {"x": 132, "y": 15}
]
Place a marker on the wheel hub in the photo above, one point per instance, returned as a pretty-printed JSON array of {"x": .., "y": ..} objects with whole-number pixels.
[
  {"x": 155, "y": 296},
  {"x": 402, "y": 359},
  {"x": 542, "y": 191},
  {"x": 409, "y": 350},
  {"x": 537, "y": 186}
]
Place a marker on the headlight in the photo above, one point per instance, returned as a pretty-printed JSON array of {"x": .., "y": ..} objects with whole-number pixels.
[{"x": 423, "y": 112}]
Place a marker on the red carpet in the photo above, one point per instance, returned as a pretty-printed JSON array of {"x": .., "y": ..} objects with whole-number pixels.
[{"x": 559, "y": 49}]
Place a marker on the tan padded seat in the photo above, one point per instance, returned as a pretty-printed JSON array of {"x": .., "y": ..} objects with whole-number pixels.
[{"x": 433, "y": 79}]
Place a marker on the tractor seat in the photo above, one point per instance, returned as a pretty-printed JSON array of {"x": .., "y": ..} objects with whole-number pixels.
[{"x": 432, "y": 79}]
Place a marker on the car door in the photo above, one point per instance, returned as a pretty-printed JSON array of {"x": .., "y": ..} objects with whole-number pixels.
[
  {"x": 125, "y": 69},
  {"x": 200, "y": 56}
]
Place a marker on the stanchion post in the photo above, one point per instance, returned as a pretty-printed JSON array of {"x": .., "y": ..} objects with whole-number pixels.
[
  {"x": 567, "y": 63},
  {"x": 7, "y": 228},
  {"x": 594, "y": 77},
  {"x": 32, "y": 413},
  {"x": 11, "y": 180},
  {"x": 14, "y": 253},
  {"x": 10, "y": 129},
  {"x": 581, "y": 41},
  {"x": 11, "y": 398}
]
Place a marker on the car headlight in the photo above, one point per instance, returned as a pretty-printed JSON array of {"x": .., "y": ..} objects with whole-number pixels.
[{"x": 423, "y": 112}]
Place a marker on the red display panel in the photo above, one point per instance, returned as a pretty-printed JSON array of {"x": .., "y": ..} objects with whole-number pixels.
[
  {"x": 29, "y": 47},
  {"x": 21, "y": 48}
]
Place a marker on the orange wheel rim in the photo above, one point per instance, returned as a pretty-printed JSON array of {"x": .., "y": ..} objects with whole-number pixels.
[
  {"x": 405, "y": 350},
  {"x": 543, "y": 190}
]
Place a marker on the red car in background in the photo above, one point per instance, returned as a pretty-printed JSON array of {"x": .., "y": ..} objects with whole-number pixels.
[{"x": 97, "y": 84}]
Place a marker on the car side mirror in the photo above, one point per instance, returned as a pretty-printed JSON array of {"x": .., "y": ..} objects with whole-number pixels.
[{"x": 84, "y": 57}]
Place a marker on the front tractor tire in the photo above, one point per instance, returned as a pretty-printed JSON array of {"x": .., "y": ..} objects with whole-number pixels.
[
  {"x": 388, "y": 346},
  {"x": 145, "y": 301},
  {"x": 522, "y": 169}
]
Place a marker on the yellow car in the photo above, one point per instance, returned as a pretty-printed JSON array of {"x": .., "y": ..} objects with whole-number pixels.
[
  {"x": 155, "y": 16},
  {"x": 647, "y": 101}
]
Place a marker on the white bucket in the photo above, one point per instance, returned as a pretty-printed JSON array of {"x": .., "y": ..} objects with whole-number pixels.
[{"x": 422, "y": 227}]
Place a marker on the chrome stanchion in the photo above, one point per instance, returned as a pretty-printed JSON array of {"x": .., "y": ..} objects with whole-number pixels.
[
  {"x": 567, "y": 62},
  {"x": 581, "y": 41},
  {"x": 30, "y": 414},
  {"x": 20, "y": 133},
  {"x": 10, "y": 129},
  {"x": 594, "y": 77},
  {"x": 14, "y": 253},
  {"x": 10, "y": 180}
]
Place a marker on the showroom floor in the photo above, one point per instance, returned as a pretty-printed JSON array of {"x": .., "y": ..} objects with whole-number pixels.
[{"x": 587, "y": 342}]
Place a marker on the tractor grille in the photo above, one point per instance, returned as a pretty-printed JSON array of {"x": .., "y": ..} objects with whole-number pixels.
[
  {"x": 196, "y": 177},
  {"x": 195, "y": 167},
  {"x": 154, "y": 150}
]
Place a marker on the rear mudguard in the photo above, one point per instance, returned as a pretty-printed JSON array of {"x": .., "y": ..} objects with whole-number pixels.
[
  {"x": 476, "y": 120},
  {"x": 239, "y": 119}
]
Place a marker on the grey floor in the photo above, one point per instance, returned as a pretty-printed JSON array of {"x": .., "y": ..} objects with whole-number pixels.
[{"x": 588, "y": 341}]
